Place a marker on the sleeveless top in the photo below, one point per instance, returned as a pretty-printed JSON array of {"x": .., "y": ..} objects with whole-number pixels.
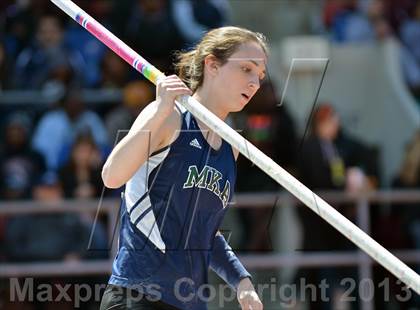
[{"x": 171, "y": 210}]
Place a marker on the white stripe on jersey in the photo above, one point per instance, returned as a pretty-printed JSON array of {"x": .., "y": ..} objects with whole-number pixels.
[{"x": 135, "y": 188}]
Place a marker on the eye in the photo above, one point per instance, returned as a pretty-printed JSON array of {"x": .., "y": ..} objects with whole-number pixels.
[{"x": 246, "y": 69}]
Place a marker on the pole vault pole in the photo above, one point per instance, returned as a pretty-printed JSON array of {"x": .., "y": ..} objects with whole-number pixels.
[{"x": 265, "y": 163}]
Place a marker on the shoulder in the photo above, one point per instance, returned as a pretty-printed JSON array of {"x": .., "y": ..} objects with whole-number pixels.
[
  {"x": 52, "y": 118},
  {"x": 91, "y": 116}
]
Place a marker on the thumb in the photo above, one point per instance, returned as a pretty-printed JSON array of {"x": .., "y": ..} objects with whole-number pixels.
[{"x": 245, "y": 305}]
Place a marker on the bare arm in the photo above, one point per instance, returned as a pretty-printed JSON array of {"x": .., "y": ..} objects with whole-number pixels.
[{"x": 153, "y": 128}]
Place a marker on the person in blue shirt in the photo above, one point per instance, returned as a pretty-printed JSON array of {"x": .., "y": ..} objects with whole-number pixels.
[{"x": 179, "y": 177}]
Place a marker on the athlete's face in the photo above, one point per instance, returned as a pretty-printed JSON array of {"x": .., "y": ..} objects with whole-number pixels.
[{"x": 239, "y": 78}]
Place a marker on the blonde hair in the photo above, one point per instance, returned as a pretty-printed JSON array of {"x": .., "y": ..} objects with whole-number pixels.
[{"x": 221, "y": 43}]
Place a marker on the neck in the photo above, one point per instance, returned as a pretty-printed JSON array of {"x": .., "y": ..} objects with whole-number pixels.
[{"x": 211, "y": 102}]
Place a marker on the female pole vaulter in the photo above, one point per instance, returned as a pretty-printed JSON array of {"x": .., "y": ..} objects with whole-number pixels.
[{"x": 179, "y": 178}]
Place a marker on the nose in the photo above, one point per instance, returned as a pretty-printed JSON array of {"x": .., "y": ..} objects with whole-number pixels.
[{"x": 254, "y": 83}]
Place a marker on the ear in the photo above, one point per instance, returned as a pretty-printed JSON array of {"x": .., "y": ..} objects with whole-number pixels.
[{"x": 211, "y": 64}]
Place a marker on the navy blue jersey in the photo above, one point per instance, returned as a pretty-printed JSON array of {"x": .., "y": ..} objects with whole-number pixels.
[{"x": 172, "y": 209}]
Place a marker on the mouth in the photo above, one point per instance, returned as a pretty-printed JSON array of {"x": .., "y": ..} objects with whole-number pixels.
[{"x": 245, "y": 96}]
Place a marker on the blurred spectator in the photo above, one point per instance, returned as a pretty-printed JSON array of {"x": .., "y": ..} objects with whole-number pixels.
[
  {"x": 21, "y": 167},
  {"x": 270, "y": 128},
  {"x": 4, "y": 68},
  {"x": 151, "y": 30},
  {"x": 399, "y": 226},
  {"x": 58, "y": 128},
  {"x": 18, "y": 20},
  {"x": 91, "y": 49},
  {"x": 353, "y": 21},
  {"x": 194, "y": 18},
  {"x": 322, "y": 167},
  {"x": 120, "y": 10},
  {"x": 381, "y": 27},
  {"x": 48, "y": 190},
  {"x": 346, "y": 22},
  {"x": 29, "y": 237},
  {"x": 62, "y": 236},
  {"x": 395, "y": 12},
  {"x": 410, "y": 34},
  {"x": 48, "y": 60},
  {"x": 410, "y": 31},
  {"x": 338, "y": 161},
  {"x": 357, "y": 154},
  {"x": 409, "y": 178},
  {"x": 4, "y": 4},
  {"x": 411, "y": 70},
  {"x": 98, "y": 9},
  {"x": 320, "y": 164},
  {"x": 115, "y": 71},
  {"x": 136, "y": 96},
  {"x": 81, "y": 176}
]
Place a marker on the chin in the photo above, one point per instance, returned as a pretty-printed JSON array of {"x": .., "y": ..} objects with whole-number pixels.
[
  {"x": 242, "y": 105},
  {"x": 238, "y": 107}
]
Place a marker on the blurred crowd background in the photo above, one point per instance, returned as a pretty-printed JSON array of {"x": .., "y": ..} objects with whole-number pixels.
[{"x": 65, "y": 100}]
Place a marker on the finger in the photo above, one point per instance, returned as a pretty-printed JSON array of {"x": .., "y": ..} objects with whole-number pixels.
[
  {"x": 180, "y": 91},
  {"x": 177, "y": 81},
  {"x": 169, "y": 80},
  {"x": 174, "y": 83},
  {"x": 245, "y": 305},
  {"x": 172, "y": 78},
  {"x": 178, "y": 87},
  {"x": 165, "y": 85},
  {"x": 256, "y": 305}
]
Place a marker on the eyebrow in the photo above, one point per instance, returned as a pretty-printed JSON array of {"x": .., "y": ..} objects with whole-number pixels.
[
  {"x": 256, "y": 64},
  {"x": 251, "y": 61}
]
